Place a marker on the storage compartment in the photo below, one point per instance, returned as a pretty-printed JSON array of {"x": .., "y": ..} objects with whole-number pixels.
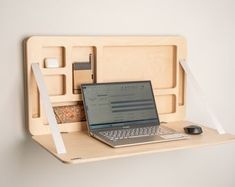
[
  {"x": 55, "y": 84},
  {"x": 81, "y": 53},
  {"x": 55, "y": 52},
  {"x": 69, "y": 113},
  {"x": 83, "y": 67},
  {"x": 124, "y": 63}
]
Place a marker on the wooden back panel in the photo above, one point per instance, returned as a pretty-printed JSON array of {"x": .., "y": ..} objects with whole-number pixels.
[{"x": 116, "y": 58}]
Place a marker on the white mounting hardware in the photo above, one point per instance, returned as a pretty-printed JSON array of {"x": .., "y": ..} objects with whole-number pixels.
[
  {"x": 191, "y": 79},
  {"x": 57, "y": 138}
]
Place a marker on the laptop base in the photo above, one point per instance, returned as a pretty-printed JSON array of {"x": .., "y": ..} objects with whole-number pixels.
[{"x": 140, "y": 140}]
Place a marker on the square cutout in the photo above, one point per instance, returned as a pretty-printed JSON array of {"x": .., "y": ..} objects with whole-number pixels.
[
  {"x": 55, "y": 84},
  {"x": 54, "y": 52},
  {"x": 166, "y": 104}
]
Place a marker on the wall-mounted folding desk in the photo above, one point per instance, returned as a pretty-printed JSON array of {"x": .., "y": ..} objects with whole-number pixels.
[{"x": 111, "y": 58}]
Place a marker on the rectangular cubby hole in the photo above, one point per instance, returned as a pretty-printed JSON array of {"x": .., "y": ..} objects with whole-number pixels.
[
  {"x": 56, "y": 84},
  {"x": 70, "y": 112},
  {"x": 54, "y": 52},
  {"x": 166, "y": 104},
  {"x": 67, "y": 112},
  {"x": 84, "y": 61},
  {"x": 155, "y": 63},
  {"x": 181, "y": 86}
]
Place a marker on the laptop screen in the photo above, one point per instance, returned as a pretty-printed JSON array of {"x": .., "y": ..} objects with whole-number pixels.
[{"x": 115, "y": 104}]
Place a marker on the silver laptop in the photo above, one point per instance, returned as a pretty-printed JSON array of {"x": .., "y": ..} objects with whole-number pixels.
[{"x": 124, "y": 113}]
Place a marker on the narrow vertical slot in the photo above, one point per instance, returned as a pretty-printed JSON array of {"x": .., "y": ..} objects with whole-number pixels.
[
  {"x": 35, "y": 104},
  {"x": 181, "y": 87}
]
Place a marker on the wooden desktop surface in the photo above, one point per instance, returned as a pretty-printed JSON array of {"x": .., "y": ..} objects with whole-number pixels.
[{"x": 83, "y": 148}]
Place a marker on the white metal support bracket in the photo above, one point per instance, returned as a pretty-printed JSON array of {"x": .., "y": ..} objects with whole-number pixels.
[
  {"x": 57, "y": 138},
  {"x": 191, "y": 79}
]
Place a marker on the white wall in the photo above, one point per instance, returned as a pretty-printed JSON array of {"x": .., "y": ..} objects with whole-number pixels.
[{"x": 208, "y": 25}]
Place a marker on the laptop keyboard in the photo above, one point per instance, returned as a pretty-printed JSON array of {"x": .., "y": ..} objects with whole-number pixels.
[{"x": 136, "y": 132}]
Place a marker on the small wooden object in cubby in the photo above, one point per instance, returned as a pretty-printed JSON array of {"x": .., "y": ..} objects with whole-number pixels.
[{"x": 114, "y": 58}]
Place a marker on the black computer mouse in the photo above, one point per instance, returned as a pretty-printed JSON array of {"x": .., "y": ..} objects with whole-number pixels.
[{"x": 193, "y": 129}]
